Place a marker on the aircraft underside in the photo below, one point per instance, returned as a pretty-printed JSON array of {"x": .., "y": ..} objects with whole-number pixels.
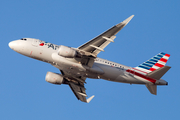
[{"x": 77, "y": 64}]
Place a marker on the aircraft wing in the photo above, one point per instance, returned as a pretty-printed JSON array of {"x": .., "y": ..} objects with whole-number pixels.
[
  {"x": 98, "y": 44},
  {"x": 79, "y": 91},
  {"x": 76, "y": 83}
]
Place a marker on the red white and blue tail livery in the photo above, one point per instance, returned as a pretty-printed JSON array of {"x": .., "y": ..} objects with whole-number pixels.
[{"x": 153, "y": 64}]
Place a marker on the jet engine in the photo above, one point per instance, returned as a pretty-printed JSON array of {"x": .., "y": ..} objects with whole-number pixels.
[
  {"x": 67, "y": 52},
  {"x": 54, "y": 78}
]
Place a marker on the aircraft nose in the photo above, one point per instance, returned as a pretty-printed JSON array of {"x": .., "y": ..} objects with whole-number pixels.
[{"x": 12, "y": 44}]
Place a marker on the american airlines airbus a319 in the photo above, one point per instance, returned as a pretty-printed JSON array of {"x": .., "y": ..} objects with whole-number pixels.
[{"x": 77, "y": 64}]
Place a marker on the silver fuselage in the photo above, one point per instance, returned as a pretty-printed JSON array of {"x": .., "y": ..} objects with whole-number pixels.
[{"x": 101, "y": 69}]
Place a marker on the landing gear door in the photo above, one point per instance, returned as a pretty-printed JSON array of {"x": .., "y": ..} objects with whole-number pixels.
[{"x": 35, "y": 42}]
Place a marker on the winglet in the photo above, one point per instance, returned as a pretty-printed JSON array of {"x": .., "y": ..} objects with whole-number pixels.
[
  {"x": 126, "y": 21},
  {"x": 89, "y": 99}
]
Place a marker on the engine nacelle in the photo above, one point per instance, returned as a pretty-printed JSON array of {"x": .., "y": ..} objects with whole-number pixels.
[
  {"x": 67, "y": 52},
  {"x": 54, "y": 78}
]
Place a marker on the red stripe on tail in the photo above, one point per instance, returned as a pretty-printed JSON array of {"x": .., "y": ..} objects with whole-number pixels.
[
  {"x": 163, "y": 60},
  {"x": 152, "y": 69},
  {"x": 159, "y": 65},
  {"x": 168, "y": 55}
]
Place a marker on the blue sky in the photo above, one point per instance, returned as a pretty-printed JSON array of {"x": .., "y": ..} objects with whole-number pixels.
[{"x": 24, "y": 93}]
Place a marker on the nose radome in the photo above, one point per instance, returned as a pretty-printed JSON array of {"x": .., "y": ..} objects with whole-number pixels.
[{"x": 12, "y": 44}]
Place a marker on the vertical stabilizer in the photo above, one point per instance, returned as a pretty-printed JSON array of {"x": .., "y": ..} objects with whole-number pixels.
[{"x": 153, "y": 64}]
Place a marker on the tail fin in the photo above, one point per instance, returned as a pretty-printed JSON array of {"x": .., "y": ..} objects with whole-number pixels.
[{"x": 153, "y": 64}]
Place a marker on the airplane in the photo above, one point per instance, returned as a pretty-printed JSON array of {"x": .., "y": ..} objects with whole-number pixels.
[{"x": 77, "y": 64}]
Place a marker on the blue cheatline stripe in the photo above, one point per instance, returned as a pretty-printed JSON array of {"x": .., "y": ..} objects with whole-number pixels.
[
  {"x": 145, "y": 67},
  {"x": 153, "y": 60},
  {"x": 159, "y": 55},
  {"x": 162, "y": 53},
  {"x": 150, "y": 62},
  {"x": 156, "y": 58},
  {"x": 148, "y": 65}
]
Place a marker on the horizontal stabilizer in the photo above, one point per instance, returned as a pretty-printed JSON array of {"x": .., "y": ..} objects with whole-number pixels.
[
  {"x": 157, "y": 74},
  {"x": 152, "y": 88}
]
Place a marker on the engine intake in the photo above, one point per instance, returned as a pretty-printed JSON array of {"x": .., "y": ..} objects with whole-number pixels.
[
  {"x": 67, "y": 52},
  {"x": 54, "y": 78}
]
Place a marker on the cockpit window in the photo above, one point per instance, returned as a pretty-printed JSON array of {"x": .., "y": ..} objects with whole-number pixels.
[{"x": 23, "y": 39}]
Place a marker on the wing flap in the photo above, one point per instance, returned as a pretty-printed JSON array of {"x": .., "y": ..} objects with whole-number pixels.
[
  {"x": 76, "y": 83},
  {"x": 79, "y": 91}
]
